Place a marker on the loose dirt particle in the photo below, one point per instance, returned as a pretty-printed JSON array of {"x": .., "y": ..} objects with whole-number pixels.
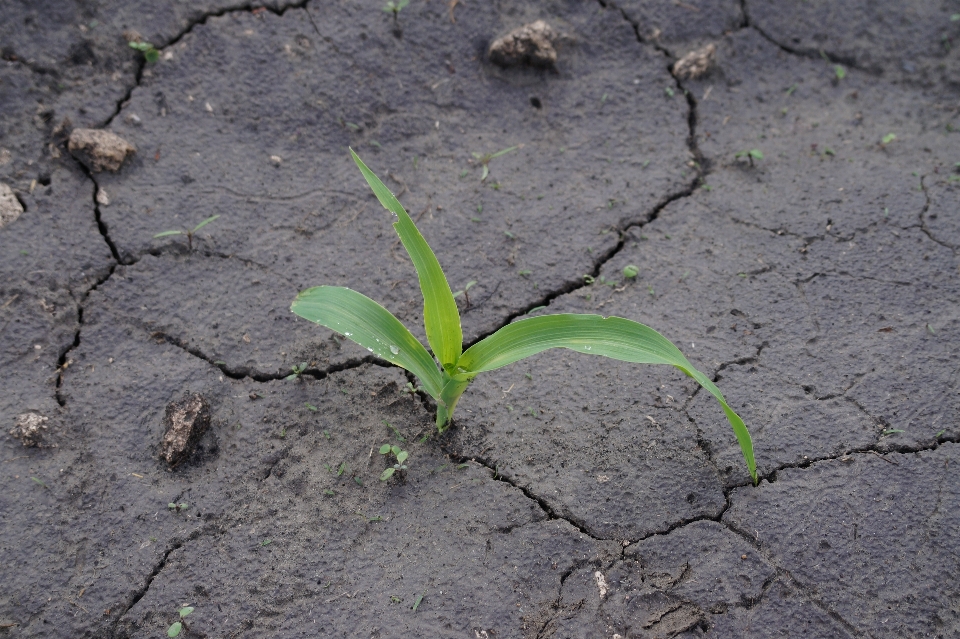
[
  {"x": 102, "y": 198},
  {"x": 99, "y": 150},
  {"x": 601, "y": 583},
  {"x": 696, "y": 63},
  {"x": 531, "y": 44},
  {"x": 10, "y": 208},
  {"x": 29, "y": 429},
  {"x": 185, "y": 422}
]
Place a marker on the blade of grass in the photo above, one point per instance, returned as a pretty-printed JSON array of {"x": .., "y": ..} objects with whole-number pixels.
[
  {"x": 166, "y": 233},
  {"x": 504, "y": 152},
  {"x": 204, "y": 223},
  {"x": 372, "y": 326},
  {"x": 613, "y": 337},
  {"x": 441, "y": 318}
]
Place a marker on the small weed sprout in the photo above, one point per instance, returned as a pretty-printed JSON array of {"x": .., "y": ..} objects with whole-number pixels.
[
  {"x": 179, "y": 508},
  {"x": 297, "y": 371},
  {"x": 630, "y": 272},
  {"x": 751, "y": 155},
  {"x": 149, "y": 52},
  {"x": 484, "y": 160},
  {"x": 381, "y": 333},
  {"x": 465, "y": 292},
  {"x": 839, "y": 72},
  {"x": 400, "y": 455},
  {"x": 395, "y": 7},
  {"x": 189, "y": 233},
  {"x": 887, "y": 139},
  {"x": 179, "y": 625}
]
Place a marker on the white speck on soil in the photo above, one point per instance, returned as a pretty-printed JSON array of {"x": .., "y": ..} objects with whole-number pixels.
[
  {"x": 29, "y": 428},
  {"x": 10, "y": 208},
  {"x": 601, "y": 583}
]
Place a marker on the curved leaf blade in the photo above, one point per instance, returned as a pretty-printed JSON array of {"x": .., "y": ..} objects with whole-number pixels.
[
  {"x": 613, "y": 337},
  {"x": 441, "y": 318},
  {"x": 370, "y": 325}
]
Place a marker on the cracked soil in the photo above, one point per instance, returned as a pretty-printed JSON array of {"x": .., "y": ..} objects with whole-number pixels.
[{"x": 573, "y": 497}]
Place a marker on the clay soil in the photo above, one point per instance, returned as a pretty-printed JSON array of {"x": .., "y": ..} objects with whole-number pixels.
[{"x": 819, "y": 286}]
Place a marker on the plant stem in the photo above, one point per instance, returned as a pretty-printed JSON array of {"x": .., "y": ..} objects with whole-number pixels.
[{"x": 449, "y": 396}]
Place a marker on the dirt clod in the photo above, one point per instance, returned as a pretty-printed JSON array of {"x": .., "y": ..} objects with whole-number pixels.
[
  {"x": 696, "y": 63},
  {"x": 184, "y": 422},
  {"x": 29, "y": 429},
  {"x": 10, "y": 208},
  {"x": 99, "y": 150},
  {"x": 531, "y": 44}
]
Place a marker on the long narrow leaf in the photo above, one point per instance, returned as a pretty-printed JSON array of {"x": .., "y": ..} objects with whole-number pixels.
[
  {"x": 205, "y": 222},
  {"x": 613, "y": 337},
  {"x": 372, "y": 326},
  {"x": 441, "y": 318}
]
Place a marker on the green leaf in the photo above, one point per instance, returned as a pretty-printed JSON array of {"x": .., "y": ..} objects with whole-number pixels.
[
  {"x": 402, "y": 456},
  {"x": 185, "y": 611},
  {"x": 387, "y": 474},
  {"x": 385, "y": 449},
  {"x": 204, "y": 223},
  {"x": 484, "y": 173},
  {"x": 151, "y": 55},
  {"x": 395, "y": 450},
  {"x": 174, "y": 629},
  {"x": 504, "y": 152},
  {"x": 370, "y": 325},
  {"x": 166, "y": 233},
  {"x": 440, "y": 316},
  {"x": 613, "y": 337}
]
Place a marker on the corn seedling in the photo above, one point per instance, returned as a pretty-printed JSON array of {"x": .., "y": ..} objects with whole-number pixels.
[
  {"x": 176, "y": 627},
  {"x": 484, "y": 160},
  {"x": 149, "y": 52},
  {"x": 373, "y": 327},
  {"x": 752, "y": 154},
  {"x": 189, "y": 233},
  {"x": 400, "y": 455}
]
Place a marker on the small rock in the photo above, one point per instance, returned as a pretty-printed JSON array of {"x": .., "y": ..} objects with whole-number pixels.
[
  {"x": 184, "y": 423},
  {"x": 695, "y": 64},
  {"x": 10, "y": 208},
  {"x": 5, "y": 157},
  {"x": 133, "y": 119},
  {"x": 29, "y": 429},
  {"x": 276, "y": 160},
  {"x": 531, "y": 44},
  {"x": 102, "y": 198},
  {"x": 99, "y": 150}
]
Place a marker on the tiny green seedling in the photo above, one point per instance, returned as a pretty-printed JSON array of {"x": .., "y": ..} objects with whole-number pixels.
[
  {"x": 839, "y": 72},
  {"x": 179, "y": 508},
  {"x": 381, "y": 333},
  {"x": 887, "y": 139},
  {"x": 465, "y": 292},
  {"x": 297, "y": 371},
  {"x": 179, "y": 625},
  {"x": 395, "y": 7},
  {"x": 410, "y": 389},
  {"x": 484, "y": 160},
  {"x": 150, "y": 53},
  {"x": 400, "y": 455},
  {"x": 630, "y": 271},
  {"x": 751, "y": 155},
  {"x": 189, "y": 233}
]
